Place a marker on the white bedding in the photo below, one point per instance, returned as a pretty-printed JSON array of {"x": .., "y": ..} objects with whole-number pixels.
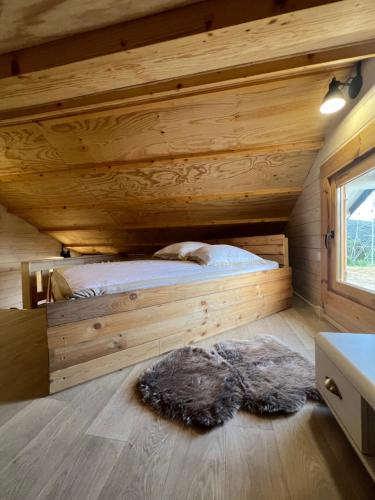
[{"x": 89, "y": 280}]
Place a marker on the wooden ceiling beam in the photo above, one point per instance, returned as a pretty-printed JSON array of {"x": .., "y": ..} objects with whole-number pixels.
[
  {"x": 24, "y": 203},
  {"x": 175, "y": 23},
  {"x": 303, "y": 38},
  {"x": 139, "y": 102},
  {"x": 225, "y": 221},
  {"x": 140, "y": 203}
]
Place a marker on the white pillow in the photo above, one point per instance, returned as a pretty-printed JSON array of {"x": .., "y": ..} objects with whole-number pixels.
[
  {"x": 220, "y": 255},
  {"x": 178, "y": 251}
]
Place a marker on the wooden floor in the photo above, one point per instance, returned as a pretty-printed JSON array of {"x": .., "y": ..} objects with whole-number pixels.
[{"x": 97, "y": 442}]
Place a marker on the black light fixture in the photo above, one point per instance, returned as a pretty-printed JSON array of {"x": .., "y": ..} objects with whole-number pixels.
[
  {"x": 334, "y": 100},
  {"x": 65, "y": 252}
]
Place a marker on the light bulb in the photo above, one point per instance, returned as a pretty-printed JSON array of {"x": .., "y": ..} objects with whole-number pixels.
[
  {"x": 332, "y": 104},
  {"x": 334, "y": 99}
]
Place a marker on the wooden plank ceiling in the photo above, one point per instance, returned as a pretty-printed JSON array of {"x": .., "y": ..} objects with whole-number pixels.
[
  {"x": 232, "y": 157},
  {"x": 221, "y": 159}
]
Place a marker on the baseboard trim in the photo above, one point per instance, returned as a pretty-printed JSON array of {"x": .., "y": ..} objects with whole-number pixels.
[
  {"x": 333, "y": 322},
  {"x": 317, "y": 309}
]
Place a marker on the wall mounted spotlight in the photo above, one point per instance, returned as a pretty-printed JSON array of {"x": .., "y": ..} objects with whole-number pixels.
[{"x": 334, "y": 100}]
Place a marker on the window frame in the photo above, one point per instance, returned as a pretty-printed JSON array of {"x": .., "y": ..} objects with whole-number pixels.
[{"x": 338, "y": 179}]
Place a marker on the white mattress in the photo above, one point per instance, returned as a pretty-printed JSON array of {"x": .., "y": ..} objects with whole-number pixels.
[{"x": 89, "y": 280}]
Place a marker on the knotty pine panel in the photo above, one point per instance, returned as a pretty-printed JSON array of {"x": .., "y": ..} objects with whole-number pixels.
[{"x": 25, "y": 149}]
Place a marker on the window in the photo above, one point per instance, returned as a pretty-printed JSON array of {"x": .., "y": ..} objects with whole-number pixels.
[
  {"x": 351, "y": 239},
  {"x": 356, "y": 225}
]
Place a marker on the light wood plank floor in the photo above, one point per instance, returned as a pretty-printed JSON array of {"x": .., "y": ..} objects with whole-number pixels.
[{"x": 96, "y": 441}]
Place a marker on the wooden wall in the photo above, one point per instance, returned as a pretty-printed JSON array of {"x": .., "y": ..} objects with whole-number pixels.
[
  {"x": 303, "y": 228},
  {"x": 19, "y": 241}
]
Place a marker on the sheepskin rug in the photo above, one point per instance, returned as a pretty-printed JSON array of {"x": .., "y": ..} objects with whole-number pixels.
[
  {"x": 274, "y": 378},
  {"x": 194, "y": 385},
  {"x": 206, "y": 387}
]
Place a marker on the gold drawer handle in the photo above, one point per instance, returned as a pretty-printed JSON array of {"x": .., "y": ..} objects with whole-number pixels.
[{"x": 331, "y": 386}]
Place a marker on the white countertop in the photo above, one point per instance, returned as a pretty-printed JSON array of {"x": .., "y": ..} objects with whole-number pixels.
[{"x": 354, "y": 355}]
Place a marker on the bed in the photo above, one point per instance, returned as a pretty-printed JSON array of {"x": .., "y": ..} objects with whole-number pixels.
[
  {"x": 106, "y": 330},
  {"x": 92, "y": 280}
]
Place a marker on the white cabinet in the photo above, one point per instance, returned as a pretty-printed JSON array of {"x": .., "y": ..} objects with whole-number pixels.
[{"x": 345, "y": 375}]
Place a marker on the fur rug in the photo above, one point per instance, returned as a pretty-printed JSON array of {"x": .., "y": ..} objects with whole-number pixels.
[
  {"x": 274, "y": 378},
  {"x": 206, "y": 387},
  {"x": 194, "y": 385}
]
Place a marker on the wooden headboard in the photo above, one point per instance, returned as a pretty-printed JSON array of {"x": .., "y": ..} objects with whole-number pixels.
[
  {"x": 273, "y": 247},
  {"x": 35, "y": 274}
]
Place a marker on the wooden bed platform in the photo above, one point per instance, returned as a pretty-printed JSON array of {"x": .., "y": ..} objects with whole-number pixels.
[{"x": 94, "y": 336}]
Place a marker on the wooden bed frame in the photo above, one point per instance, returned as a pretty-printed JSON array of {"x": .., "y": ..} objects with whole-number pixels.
[{"x": 94, "y": 336}]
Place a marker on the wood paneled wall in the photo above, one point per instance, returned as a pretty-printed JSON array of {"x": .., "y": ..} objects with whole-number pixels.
[
  {"x": 303, "y": 228},
  {"x": 303, "y": 231},
  {"x": 19, "y": 241}
]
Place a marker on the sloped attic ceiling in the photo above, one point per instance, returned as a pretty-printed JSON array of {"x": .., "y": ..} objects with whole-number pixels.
[
  {"x": 233, "y": 157},
  {"x": 206, "y": 136}
]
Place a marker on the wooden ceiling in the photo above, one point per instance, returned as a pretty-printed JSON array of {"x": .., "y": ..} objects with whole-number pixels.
[
  {"x": 125, "y": 170},
  {"x": 236, "y": 156},
  {"x": 29, "y": 22}
]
